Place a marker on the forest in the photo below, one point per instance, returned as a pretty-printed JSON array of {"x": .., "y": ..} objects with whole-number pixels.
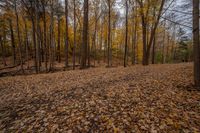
[{"x": 99, "y": 66}]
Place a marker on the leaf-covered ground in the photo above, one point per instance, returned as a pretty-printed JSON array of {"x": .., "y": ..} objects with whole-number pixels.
[{"x": 152, "y": 99}]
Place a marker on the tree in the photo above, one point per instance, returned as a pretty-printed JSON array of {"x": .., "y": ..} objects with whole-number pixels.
[
  {"x": 12, "y": 41},
  {"x": 110, "y": 4},
  {"x": 58, "y": 12},
  {"x": 196, "y": 43},
  {"x": 126, "y": 38},
  {"x": 3, "y": 50},
  {"x": 44, "y": 4},
  {"x": 74, "y": 47},
  {"x": 67, "y": 34},
  {"x": 85, "y": 36},
  {"x": 145, "y": 6},
  {"x": 52, "y": 41},
  {"x": 134, "y": 32},
  {"x": 18, "y": 35}
]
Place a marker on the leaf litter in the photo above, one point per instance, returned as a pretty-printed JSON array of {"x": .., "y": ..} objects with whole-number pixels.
[{"x": 156, "y": 98}]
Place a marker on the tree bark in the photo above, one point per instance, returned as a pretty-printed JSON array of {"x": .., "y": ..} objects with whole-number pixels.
[
  {"x": 74, "y": 48},
  {"x": 85, "y": 36},
  {"x": 126, "y": 38},
  {"x": 134, "y": 38},
  {"x": 12, "y": 42},
  {"x": 153, "y": 50},
  {"x": 3, "y": 51},
  {"x": 45, "y": 38},
  {"x": 67, "y": 34},
  {"x": 109, "y": 34},
  {"x": 58, "y": 47},
  {"x": 196, "y": 43},
  {"x": 19, "y": 37},
  {"x": 52, "y": 43}
]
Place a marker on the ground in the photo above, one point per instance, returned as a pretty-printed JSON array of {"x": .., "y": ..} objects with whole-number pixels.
[{"x": 156, "y": 98}]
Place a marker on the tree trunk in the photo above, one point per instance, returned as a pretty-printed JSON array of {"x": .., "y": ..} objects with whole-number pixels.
[
  {"x": 45, "y": 39},
  {"x": 3, "y": 51},
  {"x": 35, "y": 43},
  {"x": 101, "y": 42},
  {"x": 67, "y": 38},
  {"x": 58, "y": 47},
  {"x": 12, "y": 42},
  {"x": 85, "y": 36},
  {"x": 26, "y": 41},
  {"x": 196, "y": 43},
  {"x": 94, "y": 37},
  {"x": 88, "y": 51},
  {"x": 126, "y": 38},
  {"x": 52, "y": 43},
  {"x": 74, "y": 48},
  {"x": 19, "y": 37},
  {"x": 37, "y": 36},
  {"x": 144, "y": 38},
  {"x": 163, "y": 46},
  {"x": 134, "y": 38},
  {"x": 109, "y": 34},
  {"x": 153, "y": 50}
]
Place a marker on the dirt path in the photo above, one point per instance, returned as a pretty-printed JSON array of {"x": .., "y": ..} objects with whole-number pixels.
[{"x": 153, "y": 99}]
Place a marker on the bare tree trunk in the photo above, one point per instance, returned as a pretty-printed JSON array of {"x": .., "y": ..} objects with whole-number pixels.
[
  {"x": 145, "y": 59},
  {"x": 74, "y": 48},
  {"x": 94, "y": 37},
  {"x": 26, "y": 41},
  {"x": 3, "y": 51},
  {"x": 153, "y": 50},
  {"x": 126, "y": 38},
  {"x": 173, "y": 43},
  {"x": 19, "y": 37},
  {"x": 45, "y": 38},
  {"x": 163, "y": 46},
  {"x": 12, "y": 41},
  {"x": 88, "y": 51},
  {"x": 167, "y": 51},
  {"x": 37, "y": 36},
  {"x": 104, "y": 52},
  {"x": 196, "y": 43},
  {"x": 35, "y": 43},
  {"x": 134, "y": 38},
  {"x": 67, "y": 38},
  {"x": 101, "y": 42},
  {"x": 58, "y": 47},
  {"x": 52, "y": 43},
  {"x": 109, "y": 34},
  {"x": 85, "y": 36}
]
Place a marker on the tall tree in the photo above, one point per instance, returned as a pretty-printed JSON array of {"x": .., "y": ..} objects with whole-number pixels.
[
  {"x": 144, "y": 13},
  {"x": 38, "y": 37},
  {"x": 109, "y": 34},
  {"x": 126, "y": 38},
  {"x": 58, "y": 46},
  {"x": 58, "y": 11},
  {"x": 85, "y": 36},
  {"x": 134, "y": 37},
  {"x": 74, "y": 47},
  {"x": 12, "y": 41},
  {"x": 196, "y": 43},
  {"x": 2, "y": 42},
  {"x": 18, "y": 35},
  {"x": 67, "y": 34},
  {"x": 44, "y": 3},
  {"x": 52, "y": 41}
]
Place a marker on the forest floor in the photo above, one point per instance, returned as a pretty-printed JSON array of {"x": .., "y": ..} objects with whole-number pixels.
[{"x": 157, "y": 98}]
